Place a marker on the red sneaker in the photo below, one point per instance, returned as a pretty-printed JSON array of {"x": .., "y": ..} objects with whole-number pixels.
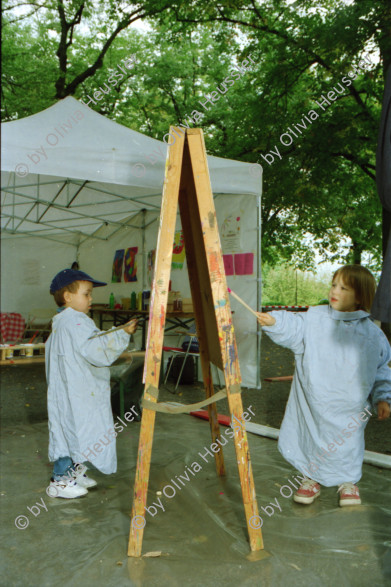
[
  {"x": 308, "y": 492},
  {"x": 349, "y": 495}
]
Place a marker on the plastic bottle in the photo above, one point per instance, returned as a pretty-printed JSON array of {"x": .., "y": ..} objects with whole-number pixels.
[
  {"x": 111, "y": 301},
  {"x": 145, "y": 299},
  {"x": 133, "y": 301},
  {"x": 178, "y": 302}
]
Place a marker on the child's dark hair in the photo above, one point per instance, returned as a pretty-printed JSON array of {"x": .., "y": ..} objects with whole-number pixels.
[
  {"x": 59, "y": 294},
  {"x": 362, "y": 281}
]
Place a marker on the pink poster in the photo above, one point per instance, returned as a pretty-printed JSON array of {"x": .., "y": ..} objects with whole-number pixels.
[
  {"x": 244, "y": 263},
  {"x": 228, "y": 264},
  {"x": 249, "y": 263}
]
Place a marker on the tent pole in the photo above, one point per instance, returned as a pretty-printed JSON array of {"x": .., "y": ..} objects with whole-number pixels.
[
  {"x": 144, "y": 211},
  {"x": 259, "y": 290}
]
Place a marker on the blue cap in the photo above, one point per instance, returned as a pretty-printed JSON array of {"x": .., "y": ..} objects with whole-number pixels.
[{"x": 67, "y": 276}]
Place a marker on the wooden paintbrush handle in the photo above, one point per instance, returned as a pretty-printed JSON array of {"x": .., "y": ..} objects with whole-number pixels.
[
  {"x": 243, "y": 303},
  {"x": 112, "y": 330}
]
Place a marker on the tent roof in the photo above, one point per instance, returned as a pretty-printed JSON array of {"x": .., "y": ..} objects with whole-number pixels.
[{"x": 69, "y": 171}]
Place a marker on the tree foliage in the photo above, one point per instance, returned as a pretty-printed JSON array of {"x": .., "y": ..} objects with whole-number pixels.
[
  {"x": 284, "y": 285},
  {"x": 322, "y": 190}
]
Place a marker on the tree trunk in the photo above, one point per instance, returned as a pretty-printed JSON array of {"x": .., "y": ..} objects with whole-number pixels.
[
  {"x": 355, "y": 253},
  {"x": 386, "y": 327},
  {"x": 385, "y": 52}
]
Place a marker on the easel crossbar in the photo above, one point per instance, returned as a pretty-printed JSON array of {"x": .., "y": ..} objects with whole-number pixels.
[{"x": 167, "y": 408}]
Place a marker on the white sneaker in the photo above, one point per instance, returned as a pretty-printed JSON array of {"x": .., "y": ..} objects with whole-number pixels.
[
  {"x": 349, "y": 494},
  {"x": 81, "y": 478},
  {"x": 307, "y": 492},
  {"x": 67, "y": 488}
]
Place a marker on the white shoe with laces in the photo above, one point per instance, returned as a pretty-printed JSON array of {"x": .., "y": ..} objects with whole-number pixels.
[
  {"x": 66, "y": 488},
  {"x": 81, "y": 478},
  {"x": 307, "y": 493},
  {"x": 349, "y": 494}
]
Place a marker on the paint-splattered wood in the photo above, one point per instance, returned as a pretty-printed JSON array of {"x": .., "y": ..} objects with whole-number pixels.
[
  {"x": 201, "y": 293},
  {"x": 214, "y": 259},
  {"x": 226, "y": 337},
  {"x": 200, "y": 282},
  {"x": 157, "y": 317},
  {"x": 213, "y": 420},
  {"x": 187, "y": 163}
]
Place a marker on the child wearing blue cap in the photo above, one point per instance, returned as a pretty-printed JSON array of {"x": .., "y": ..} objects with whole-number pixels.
[{"x": 78, "y": 379}]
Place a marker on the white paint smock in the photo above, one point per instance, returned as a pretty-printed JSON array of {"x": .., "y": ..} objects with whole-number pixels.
[
  {"x": 78, "y": 378},
  {"x": 341, "y": 368}
]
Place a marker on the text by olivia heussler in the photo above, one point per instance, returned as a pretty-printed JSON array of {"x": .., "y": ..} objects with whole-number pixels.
[
  {"x": 297, "y": 128},
  {"x": 169, "y": 490},
  {"x": 326, "y": 450},
  {"x": 22, "y": 522},
  {"x": 139, "y": 169},
  {"x": 113, "y": 80},
  {"x": 52, "y": 139},
  {"x": 311, "y": 467},
  {"x": 97, "y": 446}
]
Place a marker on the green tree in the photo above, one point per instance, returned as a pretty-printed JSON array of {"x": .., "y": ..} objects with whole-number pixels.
[
  {"x": 288, "y": 286},
  {"x": 63, "y": 43},
  {"x": 322, "y": 190},
  {"x": 303, "y": 49}
]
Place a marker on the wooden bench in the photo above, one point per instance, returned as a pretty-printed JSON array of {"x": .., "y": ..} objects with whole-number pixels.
[
  {"x": 128, "y": 375},
  {"x": 19, "y": 353}
]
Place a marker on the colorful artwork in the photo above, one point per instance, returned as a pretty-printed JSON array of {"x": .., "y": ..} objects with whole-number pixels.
[
  {"x": 178, "y": 253},
  {"x": 151, "y": 265},
  {"x": 130, "y": 267},
  {"x": 116, "y": 276}
]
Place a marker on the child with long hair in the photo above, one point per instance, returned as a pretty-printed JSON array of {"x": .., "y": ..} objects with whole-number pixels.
[{"x": 341, "y": 372}]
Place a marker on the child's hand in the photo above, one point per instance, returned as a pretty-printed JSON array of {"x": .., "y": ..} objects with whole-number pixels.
[
  {"x": 265, "y": 319},
  {"x": 131, "y": 326},
  {"x": 383, "y": 410}
]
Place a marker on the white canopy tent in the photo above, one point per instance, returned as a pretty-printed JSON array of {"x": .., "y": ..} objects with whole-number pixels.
[{"x": 76, "y": 185}]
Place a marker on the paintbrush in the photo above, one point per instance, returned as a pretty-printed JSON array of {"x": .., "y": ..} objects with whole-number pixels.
[
  {"x": 112, "y": 330},
  {"x": 32, "y": 338},
  {"x": 242, "y": 302}
]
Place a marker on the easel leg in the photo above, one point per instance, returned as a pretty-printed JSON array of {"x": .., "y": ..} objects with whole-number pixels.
[
  {"x": 245, "y": 472},
  {"x": 212, "y": 410},
  {"x": 141, "y": 482}
]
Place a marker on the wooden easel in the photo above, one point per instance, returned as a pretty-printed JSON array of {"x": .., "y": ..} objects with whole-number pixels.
[{"x": 187, "y": 183}]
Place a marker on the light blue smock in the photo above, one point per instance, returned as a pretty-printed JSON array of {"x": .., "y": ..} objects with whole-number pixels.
[
  {"x": 341, "y": 368},
  {"x": 78, "y": 378}
]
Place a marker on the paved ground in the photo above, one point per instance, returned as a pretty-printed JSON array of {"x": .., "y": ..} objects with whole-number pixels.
[{"x": 201, "y": 533}]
